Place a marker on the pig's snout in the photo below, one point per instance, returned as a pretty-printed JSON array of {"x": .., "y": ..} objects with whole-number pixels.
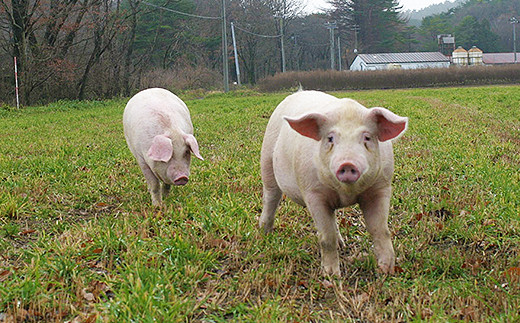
[
  {"x": 181, "y": 180},
  {"x": 348, "y": 173}
]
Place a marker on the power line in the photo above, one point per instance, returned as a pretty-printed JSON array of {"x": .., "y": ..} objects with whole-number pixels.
[
  {"x": 313, "y": 45},
  {"x": 255, "y": 34},
  {"x": 215, "y": 18},
  {"x": 180, "y": 12},
  {"x": 224, "y": 40}
]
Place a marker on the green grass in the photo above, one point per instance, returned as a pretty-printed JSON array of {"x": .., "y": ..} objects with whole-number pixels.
[{"x": 80, "y": 240}]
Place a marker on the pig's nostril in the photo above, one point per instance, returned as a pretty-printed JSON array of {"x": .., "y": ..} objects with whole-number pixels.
[
  {"x": 182, "y": 180},
  {"x": 348, "y": 173}
]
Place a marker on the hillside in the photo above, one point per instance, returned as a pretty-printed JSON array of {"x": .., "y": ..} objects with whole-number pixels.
[{"x": 416, "y": 16}]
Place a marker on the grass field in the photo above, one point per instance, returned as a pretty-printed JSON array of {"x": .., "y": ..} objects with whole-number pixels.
[{"x": 79, "y": 240}]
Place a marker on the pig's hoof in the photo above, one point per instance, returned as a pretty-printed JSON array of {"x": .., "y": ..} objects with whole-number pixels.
[
  {"x": 265, "y": 230},
  {"x": 156, "y": 200},
  {"x": 386, "y": 267},
  {"x": 265, "y": 226},
  {"x": 331, "y": 270}
]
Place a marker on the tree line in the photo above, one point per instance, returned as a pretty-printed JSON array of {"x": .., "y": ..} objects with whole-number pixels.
[{"x": 78, "y": 49}]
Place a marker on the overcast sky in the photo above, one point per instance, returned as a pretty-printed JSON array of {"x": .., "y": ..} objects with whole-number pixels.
[{"x": 315, "y": 5}]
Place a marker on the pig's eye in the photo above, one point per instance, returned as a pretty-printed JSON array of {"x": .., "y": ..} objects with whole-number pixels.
[
  {"x": 330, "y": 139},
  {"x": 367, "y": 139}
]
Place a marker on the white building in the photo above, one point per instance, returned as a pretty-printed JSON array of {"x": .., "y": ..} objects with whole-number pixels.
[{"x": 385, "y": 61}]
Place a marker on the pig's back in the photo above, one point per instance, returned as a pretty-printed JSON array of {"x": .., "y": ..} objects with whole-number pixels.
[
  {"x": 155, "y": 105},
  {"x": 301, "y": 103}
]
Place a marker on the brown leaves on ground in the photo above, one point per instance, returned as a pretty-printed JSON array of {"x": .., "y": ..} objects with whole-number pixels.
[
  {"x": 96, "y": 291},
  {"x": 513, "y": 274},
  {"x": 437, "y": 216},
  {"x": 4, "y": 274}
]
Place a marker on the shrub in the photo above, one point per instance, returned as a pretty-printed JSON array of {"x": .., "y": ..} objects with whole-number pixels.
[
  {"x": 184, "y": 78},
  {"x": 386, "y": 79}
]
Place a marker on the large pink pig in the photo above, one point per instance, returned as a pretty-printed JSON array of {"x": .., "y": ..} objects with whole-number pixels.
[
  {"x": 327, "y": 153},
  {"x": 159, "y": 133}
]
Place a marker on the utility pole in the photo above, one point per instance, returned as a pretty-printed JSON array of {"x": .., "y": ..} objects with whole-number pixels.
[
  {"x": 514, "y": 21},
  {"x": 295, "y": 38},
  {"x": 281, "y": 44},
  {"x": 355, "y": 28},
  {"x": 237, "y": 67},
  {"x": 331, "y": 26},
  {"x": 339, "y": 54},
  {"x": 225, "y": 66}
]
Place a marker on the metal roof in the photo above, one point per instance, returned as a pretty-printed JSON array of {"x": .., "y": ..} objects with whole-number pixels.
[
  {"x": 460, "y": 49},
  {"x": 418, "y": 57},
  {"x": 448, "y": 40},
  {"x": 499, "y": 58}
]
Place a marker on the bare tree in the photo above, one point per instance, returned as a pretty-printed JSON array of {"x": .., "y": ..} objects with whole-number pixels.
[
  {"x": 253, "y": 19},
  {"x": 21, "y": 20},
  {"x": 284, "y": 11},
  {"x": 57, "y": 42}
]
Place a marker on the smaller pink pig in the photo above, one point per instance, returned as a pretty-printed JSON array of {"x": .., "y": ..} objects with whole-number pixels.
[
  {"x": 327, "y": 153},
  {"x": 159, "y": 133}
]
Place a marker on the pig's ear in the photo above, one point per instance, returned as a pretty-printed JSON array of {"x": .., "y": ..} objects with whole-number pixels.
[
  {"x": 309, "y": 125},
  {"x": 389, "y": 124},
  {"x": 193, "y": 144},
  {"x": 161, "y": 148}
]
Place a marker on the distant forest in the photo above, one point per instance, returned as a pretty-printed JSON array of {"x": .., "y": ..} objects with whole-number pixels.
[
  {"x": 416, "y": 16},
  {"x": 78, "y": 49}
]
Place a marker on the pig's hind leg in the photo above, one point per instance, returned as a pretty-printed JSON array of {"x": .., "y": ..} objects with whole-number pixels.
[
  {"x": 272, "y": 195},
  {"x": 154, "y": 185}
]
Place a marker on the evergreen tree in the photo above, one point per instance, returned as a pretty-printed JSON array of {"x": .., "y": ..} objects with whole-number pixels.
[
  {"x": 432, "y": 26},
  {"x": 484, "y": 24},
  {"x": 472, "y": 33},
  {"x": 377, "y": 23},
  {"x": 160, "y": 33}
]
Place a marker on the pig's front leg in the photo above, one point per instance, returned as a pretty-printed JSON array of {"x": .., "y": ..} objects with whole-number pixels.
[
  {"x": 165, "y": 190},
  {"x": 375, "y": 206},
  {"x": 154, "y": 186},
  {"x": 325, "y": 221}
]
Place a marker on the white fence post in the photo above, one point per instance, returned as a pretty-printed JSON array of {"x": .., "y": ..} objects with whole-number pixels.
[{"x": 16, "y": 83}]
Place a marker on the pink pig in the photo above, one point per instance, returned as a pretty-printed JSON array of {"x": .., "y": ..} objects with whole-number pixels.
[
  {"x": 159, "y": 133},
  {"x": 327, "y": 153}
]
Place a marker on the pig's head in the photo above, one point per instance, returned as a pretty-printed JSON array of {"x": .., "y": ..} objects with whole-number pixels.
[
  {"x": 171, "y": 155},
  {"x": 349, "y": 138}
]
